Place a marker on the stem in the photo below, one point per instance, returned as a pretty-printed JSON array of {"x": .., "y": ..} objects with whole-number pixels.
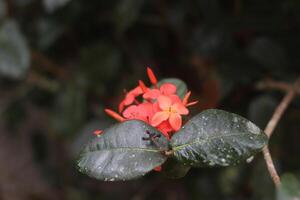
[{"x": 281, "y": 108}]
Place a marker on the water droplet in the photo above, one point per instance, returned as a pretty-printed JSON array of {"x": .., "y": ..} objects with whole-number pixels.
[
  {"x": 235, "y": 119},
  {"x": 122, "y": 169},
  {"x": 249, "y": 160},
  {"x": 252, "y": 128}
]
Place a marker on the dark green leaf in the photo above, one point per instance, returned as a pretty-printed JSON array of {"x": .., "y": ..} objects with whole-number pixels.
[
  {"x": 180, "y": 85},
  {"x": 14, "y": 52},
  {"x": 126, "y": 13},
  {"x": 217, "y": 138},
  {"x": 289, "y": 189},
  {"x": 3, "y": 10},
  {"x": 52, "y": 5},
  {"x": 70, "y": 110},
  {"x": 120, "y": 153},
  {"x": 173, "y": 169}
]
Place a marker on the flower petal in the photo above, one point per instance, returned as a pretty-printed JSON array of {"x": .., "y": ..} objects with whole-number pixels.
[
  {"x": 186, "y": 98},
  {"x": 129, "y": 99},
  {"x": 151, "y": 76},
  {"x": 121, "y": 106},
  {"x": 159, "y": 117},
  {"x": 114, "y": 115},
  {"x": 165, "y": 128},
  {"x": 175, "y": 121},
  {"x": 146, "y": 110},
  {"x": 168, "y": 88},
  {"x": 136, "y": 91},
  {"x": 180, "y": 109},
  {"x": 152, "y": 94},
  {"x": 130, "y": 112},
  {"x": 174, "y": 98},
  {"x": 164, "y": 102}
]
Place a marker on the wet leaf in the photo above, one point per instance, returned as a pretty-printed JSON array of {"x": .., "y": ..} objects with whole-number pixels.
[
  {"x": 173, "y": 169},
  {"x": 217, "y": 138},
  {"x": 120, "y": 153}
]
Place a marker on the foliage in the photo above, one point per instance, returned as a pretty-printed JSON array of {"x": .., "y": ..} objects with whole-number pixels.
[{"x": 62, "y": 62}]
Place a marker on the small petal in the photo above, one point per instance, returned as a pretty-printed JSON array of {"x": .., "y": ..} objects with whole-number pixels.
[
  {"x": 165, "y": 128},
  {"x": 136, "y": 91},
  {"x": 130, "y": 112},
  {"x": 164, "y": 102},
  {"x": 151, "y": 76},
  {"x": 191, "y": 103},
  {"x": 114, "y": 115},
  {"x": 159, "y": 117},
  {"x": 175, "y": 98},
  {"x": 129, "y": 99},
  {"x": 121, "y": 106},
  {"x": 175, "y": 121},
  {"x": 152, "y": 94},
  {"x": 143, "y": 86},
  {"x": 186, "y": 98},
  {"x": 168, "y": 88},
  {"x": 146, "y": 109},
  {"x": 180, "y": 109}
]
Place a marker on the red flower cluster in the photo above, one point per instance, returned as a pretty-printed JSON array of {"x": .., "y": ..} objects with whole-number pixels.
[{"x": 160, "y": 106}]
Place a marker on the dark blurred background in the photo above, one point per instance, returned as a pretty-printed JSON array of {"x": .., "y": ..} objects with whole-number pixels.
[{"x": 63, "y": 61}]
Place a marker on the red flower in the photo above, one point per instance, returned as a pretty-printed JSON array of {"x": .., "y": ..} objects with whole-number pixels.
[
  {"x": 130, "y": 97},
  {"x": 143, "y": 111},
  {"x": 170, "y": 111},
  {"x": 160, "y": 107},
  {"x": 165, "y": 89}
]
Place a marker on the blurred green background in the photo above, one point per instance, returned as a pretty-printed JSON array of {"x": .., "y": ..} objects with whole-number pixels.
[{"x": 63, "y": 61}]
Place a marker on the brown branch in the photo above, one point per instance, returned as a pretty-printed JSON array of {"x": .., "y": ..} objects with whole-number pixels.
[{"x": 291, "y": 90}]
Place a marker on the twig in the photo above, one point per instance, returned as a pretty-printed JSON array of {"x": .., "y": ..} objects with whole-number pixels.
[{"x": 291, "y": 93}]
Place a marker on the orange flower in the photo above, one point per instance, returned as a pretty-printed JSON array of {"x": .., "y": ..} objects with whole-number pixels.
[{"x": 170, "y": 111}]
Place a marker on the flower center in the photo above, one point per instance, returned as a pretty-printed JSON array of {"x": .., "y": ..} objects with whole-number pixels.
[{"x": 171, "y": 110}]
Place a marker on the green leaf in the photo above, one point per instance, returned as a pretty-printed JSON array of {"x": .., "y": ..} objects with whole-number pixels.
[
  {"x": 217, "y": 138},
  {"x": 180, "y": 85},
  {"x": 289, "y": 189},
  {"x": 173, "y": 169},
  {"x": 120, "y": 153},
  {"x": 14, "y": 52}
]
